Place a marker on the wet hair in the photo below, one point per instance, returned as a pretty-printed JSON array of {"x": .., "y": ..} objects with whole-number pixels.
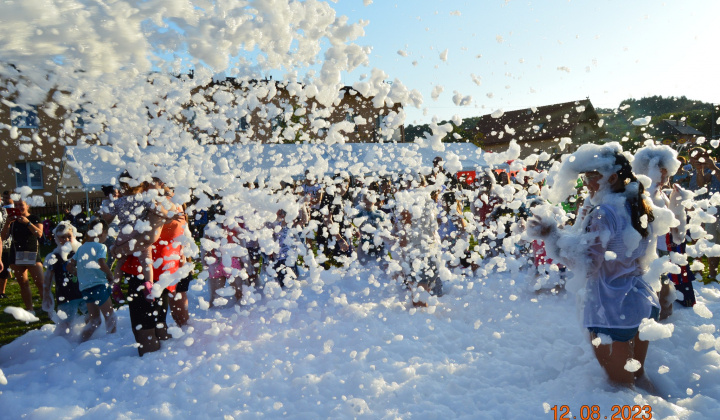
[
  {"x": 63, "y": 228},
  {"x": 98, "y": 221},
  {"x": 638, "y": 205},
  {"x": 108, "y": 190}
]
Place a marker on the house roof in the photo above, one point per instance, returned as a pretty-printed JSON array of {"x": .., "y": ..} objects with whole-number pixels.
[
  {"x": 541, "y": 123},
  {"x": 679, "y": 127}
]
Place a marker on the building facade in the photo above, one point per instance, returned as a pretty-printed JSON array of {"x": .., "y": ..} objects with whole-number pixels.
[
  {"x": 33, "y": 143},
  {"x": 540, "y": 129}
]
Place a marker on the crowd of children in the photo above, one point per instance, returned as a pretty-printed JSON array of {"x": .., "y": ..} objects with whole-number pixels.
[{"x": 416, "y": 227}]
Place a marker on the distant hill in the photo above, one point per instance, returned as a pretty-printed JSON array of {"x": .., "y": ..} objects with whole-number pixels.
[{"x": 618, "y": 122}]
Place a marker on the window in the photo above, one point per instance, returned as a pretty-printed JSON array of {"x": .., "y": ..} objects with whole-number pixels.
[
  {"x": 350, "y": 117},
  {"x": 380, "y": 121},
  {"x": 81, "y": 119},
  {"x": 244, "y": 124},
  {"x": 277, "y": 122},
  {"x": 29, "y": 174},
  {"x": 24, "y": 118}
]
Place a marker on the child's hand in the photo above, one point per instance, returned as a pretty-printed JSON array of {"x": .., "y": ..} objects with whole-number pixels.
[
  {"x": 47, "y": 304},
  {"x": 147, "y": 291}
]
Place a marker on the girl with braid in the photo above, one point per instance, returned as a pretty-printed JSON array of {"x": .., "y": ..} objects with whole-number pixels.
[{"x": 608, "y": 249}]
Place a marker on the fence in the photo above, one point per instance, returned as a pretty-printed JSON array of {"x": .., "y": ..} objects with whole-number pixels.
[{"x": 51, "y": 209}]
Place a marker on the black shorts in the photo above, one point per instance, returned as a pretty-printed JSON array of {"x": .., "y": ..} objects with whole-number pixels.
[
  {"x": 5, "y": 273},
  {"x": 144, "y": 313},
  {"x": 184, "y": 284}
]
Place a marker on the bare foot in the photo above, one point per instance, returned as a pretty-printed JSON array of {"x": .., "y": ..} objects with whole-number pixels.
[{"x": 646, "y": 385}]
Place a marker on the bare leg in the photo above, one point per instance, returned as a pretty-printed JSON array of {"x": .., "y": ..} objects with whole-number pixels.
[
  {"x": 148, "y": 341},
  {"x": 179, "y": 309},
  {"x": 712, "y": 267},
  {"x": 612, "y": 358},
  {"x": 641, "y": 379},
  {"x": 36, "y": 271},
  {"x": 215, "y": 283},
  {"x": 666, "y": 296},
  {"x": 117, "y": 272},
  {"x": 62, "y": 328},
  {"x": 3, "y": 284},
  {"x": 109, "y": 314},
  {"x": 93, "y": 321},
  {"x": 21, "y": 275},
  {"x": 146, "y": 263},
  {"x": 254, "y": 270},
  {"x": 640, "y": 349},
  {"x": 237, "y": 284}
]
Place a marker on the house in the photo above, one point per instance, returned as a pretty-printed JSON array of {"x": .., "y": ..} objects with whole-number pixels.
[
  {"x": 541, "y": 129},
  {"x": 251, "y": 111},
  {"x": 677, "y": 133},
  {"x": 33, "y": 145},
  {"x": 269, "y": 111}
]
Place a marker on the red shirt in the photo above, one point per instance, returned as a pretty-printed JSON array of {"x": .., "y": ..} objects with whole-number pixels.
[{"x": 166, "y": 248}]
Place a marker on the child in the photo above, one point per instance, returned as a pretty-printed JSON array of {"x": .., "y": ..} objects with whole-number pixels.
[
  {"x": 140, "y": 223},
  {"x": 452, "y": 229},
  {"x": 94, "y": 277},
  {"x": 221, "y": 242},
  {"x": 67, "y": 291},
  {"x": 284, "y": 260},
  {"x": 373, "y": 228}
]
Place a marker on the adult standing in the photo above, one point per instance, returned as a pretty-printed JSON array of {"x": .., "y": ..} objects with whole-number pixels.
[
  {"x": 25, "y": 230},
  {"x": 148, "y": 315}
]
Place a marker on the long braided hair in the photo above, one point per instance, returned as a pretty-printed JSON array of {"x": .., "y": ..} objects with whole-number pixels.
[{"x": 638, "y": 205}]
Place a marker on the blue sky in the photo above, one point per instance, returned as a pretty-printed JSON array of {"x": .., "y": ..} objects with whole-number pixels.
[{"x": 531, "y": 53}]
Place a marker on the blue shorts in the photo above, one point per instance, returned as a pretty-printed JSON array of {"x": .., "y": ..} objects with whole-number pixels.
[
  {"x": 97, "y": 294},
  {"x": 71, "y": 308},
  {"x": 623, "y": 334}
]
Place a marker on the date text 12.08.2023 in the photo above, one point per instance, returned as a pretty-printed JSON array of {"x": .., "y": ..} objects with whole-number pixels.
[{"x": 592, "y": 412}]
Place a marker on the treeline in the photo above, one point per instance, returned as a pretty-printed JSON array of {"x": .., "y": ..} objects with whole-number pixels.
[
  {"x": 618, "y": 122},
  {"x": 465, "y": 132}
]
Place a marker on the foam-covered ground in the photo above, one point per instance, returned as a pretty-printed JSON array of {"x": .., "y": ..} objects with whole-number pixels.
[{"x": 344, "y": 345}]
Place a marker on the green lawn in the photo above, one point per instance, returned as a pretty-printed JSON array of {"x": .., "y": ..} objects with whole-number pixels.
[{"x": 10, "y": 328}]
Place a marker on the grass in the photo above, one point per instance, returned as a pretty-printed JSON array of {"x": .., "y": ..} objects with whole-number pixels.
[{"x": 10, "y": 328}]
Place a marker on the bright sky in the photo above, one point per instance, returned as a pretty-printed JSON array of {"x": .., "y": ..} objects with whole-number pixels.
[{"x": 526, "y": 53}]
